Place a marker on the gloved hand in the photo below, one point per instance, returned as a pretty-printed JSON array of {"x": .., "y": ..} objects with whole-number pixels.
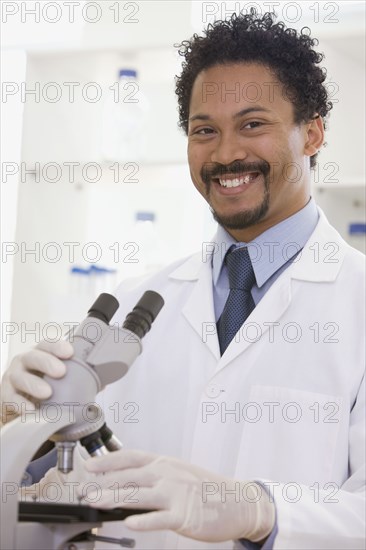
[
  {"x": 189, "y": 500},
  {"x": 22, "y": 384}
]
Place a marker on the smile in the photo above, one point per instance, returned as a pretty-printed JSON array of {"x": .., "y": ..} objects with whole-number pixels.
[{"x": 231, "y": 181}]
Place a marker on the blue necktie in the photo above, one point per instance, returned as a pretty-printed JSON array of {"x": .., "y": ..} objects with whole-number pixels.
[{"x": 240, "y": 303}]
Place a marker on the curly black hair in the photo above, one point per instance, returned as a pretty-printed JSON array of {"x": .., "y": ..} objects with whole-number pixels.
[{"x": 247, "y": 37}]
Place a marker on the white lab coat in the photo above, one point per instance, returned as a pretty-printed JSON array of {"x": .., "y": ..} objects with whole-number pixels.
[{"x": 285, "y": 403}]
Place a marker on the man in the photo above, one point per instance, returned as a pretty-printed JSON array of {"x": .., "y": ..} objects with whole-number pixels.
[{"x": 247, "y": 418}]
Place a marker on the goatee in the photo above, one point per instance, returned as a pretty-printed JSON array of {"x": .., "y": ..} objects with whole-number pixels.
[{"x": 245, "y": 218}]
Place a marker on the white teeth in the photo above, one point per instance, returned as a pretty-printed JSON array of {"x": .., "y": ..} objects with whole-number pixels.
[{"x": 236, "y": 181}]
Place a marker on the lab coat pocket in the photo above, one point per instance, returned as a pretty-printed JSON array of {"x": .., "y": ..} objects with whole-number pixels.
[{"x": 289, "y": 435}]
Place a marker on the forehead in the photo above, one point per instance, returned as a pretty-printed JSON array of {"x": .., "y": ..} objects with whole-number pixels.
[{"x": 238, "y": 84}]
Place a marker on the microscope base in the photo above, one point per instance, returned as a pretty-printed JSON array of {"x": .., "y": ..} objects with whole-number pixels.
[{"x": 42, "y": 512}]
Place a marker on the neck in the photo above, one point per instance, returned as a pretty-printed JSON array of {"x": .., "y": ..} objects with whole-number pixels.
[{"x": 248, "y": 234}]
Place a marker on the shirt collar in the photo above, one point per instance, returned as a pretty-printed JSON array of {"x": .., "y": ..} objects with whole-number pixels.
[{"x": 273, "y": 248}]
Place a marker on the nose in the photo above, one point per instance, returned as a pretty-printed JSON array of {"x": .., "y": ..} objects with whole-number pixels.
[{"x": 228, "y": 148}]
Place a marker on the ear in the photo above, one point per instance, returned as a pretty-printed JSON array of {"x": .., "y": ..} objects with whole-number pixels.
[{"x": 314, "y": 136}]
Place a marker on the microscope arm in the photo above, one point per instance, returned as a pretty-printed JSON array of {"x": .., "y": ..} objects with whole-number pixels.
[{"x": 20, "y": 439}]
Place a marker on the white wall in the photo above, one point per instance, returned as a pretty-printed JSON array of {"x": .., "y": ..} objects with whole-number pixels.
[{"x": 13, "y": 65}]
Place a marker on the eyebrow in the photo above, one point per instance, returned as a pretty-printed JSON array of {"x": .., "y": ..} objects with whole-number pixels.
[{"x": 239, "y": 114}]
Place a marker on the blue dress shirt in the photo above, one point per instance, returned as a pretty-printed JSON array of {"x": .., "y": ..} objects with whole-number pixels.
[{"x": 271, "y": 253}]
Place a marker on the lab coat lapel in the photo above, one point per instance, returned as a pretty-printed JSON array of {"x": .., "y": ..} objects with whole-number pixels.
[
  {"x": 322, "y": 256},
  {"x": 319, "y": 261},
  {"x": 199, "y": 307},
  {"x": 269, "y": 310}
]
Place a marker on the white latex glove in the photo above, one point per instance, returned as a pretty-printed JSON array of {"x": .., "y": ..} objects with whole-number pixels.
[
  {"x": 190, "y": 500},
  {"x": 21, "y": 386}
]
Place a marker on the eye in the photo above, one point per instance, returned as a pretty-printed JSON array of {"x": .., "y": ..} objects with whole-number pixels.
[
  {"x": 255, "y": 123},
  {"x": 202, "y": 131}
]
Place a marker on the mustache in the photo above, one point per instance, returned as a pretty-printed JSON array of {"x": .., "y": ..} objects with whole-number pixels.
[{"x": 214, "y": 170}]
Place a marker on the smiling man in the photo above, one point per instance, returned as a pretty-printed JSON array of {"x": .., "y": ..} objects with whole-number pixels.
[
  {"x": 249, "y": 160},
  {"x": 250, "y": 389}
]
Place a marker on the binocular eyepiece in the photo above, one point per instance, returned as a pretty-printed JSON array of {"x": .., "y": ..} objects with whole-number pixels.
[{"x": 138, "y": 322}]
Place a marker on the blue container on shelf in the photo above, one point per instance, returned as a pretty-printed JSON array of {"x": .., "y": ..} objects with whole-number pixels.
[{"x": 357, "y": 228}]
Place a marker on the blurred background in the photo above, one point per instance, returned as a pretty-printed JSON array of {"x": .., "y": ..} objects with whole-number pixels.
[{"x": 88, "y": 201}]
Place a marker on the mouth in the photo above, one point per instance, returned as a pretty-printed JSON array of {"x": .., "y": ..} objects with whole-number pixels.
[
  {"x": 235, "y": 181},
  {"x": 242, "y": 181}
]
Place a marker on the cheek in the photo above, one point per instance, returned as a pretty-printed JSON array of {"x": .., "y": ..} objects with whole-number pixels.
[
  {"x": 279, "y": 152},
  {"x": 265, "y": 147},
  {"x": 195, "y": 161},
  {"x": 196, "y": 178},
  {"x": 285, "y": 163},
  {"x": 295, "y": 140},
  {"x": 192, "y": 152}
]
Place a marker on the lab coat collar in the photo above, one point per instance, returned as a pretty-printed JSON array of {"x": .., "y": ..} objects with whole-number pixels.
[
  {"x": 273, "y": 248},
  {"x": 322, "y": 256},
  {"x": 319, "y": 261}
]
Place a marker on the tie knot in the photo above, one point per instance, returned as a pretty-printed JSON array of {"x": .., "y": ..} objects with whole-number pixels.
[{"x": 240, "y": 269}]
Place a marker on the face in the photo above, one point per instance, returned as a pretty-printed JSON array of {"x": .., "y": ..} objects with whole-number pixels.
[{"x": 247, "y": 157}]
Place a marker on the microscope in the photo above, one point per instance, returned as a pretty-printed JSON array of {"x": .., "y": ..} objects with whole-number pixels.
[{"x": 102, "y": 355}]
